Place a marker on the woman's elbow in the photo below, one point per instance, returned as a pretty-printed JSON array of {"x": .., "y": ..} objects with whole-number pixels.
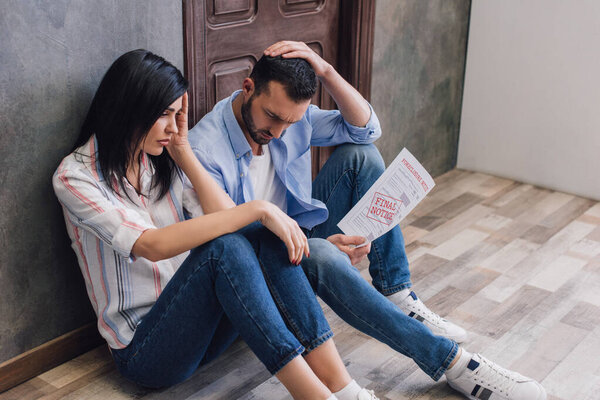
[{"x": 148, "y": 248}]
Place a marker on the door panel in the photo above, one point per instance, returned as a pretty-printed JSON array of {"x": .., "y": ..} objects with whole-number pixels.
[{"x": 225, "y": 38}]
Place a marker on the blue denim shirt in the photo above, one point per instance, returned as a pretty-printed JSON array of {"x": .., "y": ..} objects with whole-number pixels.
[{"x": 220, "y": 145}]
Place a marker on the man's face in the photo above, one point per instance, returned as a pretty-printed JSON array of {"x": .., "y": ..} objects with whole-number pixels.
[{"x": 270, "y": 113}]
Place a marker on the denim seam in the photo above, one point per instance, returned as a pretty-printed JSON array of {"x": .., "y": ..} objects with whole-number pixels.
[
  {"x": 282, "y": 309},
  {"x": 396, "y": 288},
  {"x": 337, "y": 182},
  {"x": 373, "y": 327},
  {"x": 299, "y": 350},
  {"x": 382, "y": 271},
  {"x": 442, "y": 370},
  {"x": 268, "y": 340},
  {"x": 318, "y": 341}
]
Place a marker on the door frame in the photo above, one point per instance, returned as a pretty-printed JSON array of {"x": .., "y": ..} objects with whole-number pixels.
[{"x": 355, "y": 49}]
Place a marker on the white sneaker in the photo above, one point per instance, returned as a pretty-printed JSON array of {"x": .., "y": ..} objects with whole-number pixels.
[
  {"x": 483, "y": 379},
  {"x": 416, "y": 309},
  {"x": 365, "y": 394}
]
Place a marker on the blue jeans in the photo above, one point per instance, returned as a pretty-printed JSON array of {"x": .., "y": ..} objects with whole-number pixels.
[
  {"x": 219, "y": 290},
  {"x": 344, "y": 179},
  {"x": 351, "y": 297}
]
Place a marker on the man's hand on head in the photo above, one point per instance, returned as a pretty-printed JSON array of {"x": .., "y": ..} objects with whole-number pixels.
[
  {"x": 347, "y": 245},
  {"x": 290, "y": 49}
]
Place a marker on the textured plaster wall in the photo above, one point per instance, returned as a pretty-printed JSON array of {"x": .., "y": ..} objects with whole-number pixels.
[
  {"x": 52, "y": 56},
  {"x": 418, "y": 69}
]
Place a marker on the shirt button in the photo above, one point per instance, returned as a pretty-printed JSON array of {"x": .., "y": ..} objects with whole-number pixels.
[{"x": 242, "y": 175}]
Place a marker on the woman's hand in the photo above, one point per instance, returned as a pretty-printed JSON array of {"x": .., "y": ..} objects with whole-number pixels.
[
  {"x": 285, "y": 228},
  {"x": 179, "y": 144}
]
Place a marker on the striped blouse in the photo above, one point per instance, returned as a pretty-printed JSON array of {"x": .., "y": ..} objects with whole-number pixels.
[{"x": 103, "y": 226}]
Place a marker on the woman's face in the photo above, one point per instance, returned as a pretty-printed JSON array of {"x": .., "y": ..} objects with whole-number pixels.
[{"x": 160, "y": 134}]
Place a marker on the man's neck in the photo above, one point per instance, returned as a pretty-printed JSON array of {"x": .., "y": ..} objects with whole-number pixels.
[{"x": 236, "y": 104}]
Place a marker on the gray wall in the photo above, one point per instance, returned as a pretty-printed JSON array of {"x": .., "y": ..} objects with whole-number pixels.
[
  {"x": 52, "y": 56},
  {"x": 418, "y": 68}
]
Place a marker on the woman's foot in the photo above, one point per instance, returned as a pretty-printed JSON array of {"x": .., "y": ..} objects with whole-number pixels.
[
  {"x": 365, "y": 394},
  {"x": 353, "y": 391},
  {"x": 481, "y": 379}
]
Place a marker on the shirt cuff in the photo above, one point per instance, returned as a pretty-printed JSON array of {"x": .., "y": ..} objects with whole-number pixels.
[
  {"x": 126, "y": 236},
  {"x": 367, "y": 133}
]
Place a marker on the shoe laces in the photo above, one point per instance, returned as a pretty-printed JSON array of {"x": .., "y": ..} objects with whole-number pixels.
[
  {"x": 494, "y": 376},
  {"x": 421, "y": 309}
]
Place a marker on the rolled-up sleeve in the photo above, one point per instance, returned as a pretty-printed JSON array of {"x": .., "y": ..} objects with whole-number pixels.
[
  {"x": 87, "y": 206},
  {"x": 329, "y": 128}
]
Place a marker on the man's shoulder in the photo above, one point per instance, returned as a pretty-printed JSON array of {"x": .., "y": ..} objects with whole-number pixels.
[{"x": 210, "y": 133}]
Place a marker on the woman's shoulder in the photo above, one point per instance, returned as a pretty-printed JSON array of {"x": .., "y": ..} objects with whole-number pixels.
[{"x": 80, "y": 165}]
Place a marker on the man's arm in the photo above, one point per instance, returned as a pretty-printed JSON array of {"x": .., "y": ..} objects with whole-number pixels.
[{"x": 353, "y": 107}]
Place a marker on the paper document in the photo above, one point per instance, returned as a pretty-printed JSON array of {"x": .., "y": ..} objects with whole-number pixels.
[{"x": 391, "y": 198}]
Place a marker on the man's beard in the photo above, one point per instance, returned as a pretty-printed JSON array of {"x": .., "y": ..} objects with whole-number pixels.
[{"x": 249, "y": 122}]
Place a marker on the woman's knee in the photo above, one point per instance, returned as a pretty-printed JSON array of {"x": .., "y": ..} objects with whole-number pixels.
[{"x": 231, "y": 250}]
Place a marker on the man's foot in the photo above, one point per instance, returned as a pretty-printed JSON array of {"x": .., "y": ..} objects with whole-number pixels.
[
  {"x": 482, "y": 379},
  {"x": 408, "y": 302}
]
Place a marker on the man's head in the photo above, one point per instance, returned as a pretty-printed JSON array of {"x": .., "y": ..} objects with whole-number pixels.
[{"x": 276, "y": 95}]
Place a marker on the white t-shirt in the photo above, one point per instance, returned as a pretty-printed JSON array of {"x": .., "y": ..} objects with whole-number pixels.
[{"x": 267, "y": 185}]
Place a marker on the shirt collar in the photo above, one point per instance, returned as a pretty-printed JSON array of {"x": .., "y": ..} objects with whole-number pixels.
[{"x": 238, "y": 140}]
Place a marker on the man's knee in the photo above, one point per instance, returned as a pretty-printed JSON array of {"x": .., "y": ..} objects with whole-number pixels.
[
  {"x": 324, "y": 255},
  {"x": 364, "y": 156}
]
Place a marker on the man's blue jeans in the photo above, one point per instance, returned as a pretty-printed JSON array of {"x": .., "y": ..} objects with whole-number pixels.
[
  {"x": 344, "y": 179},
  {"x": 341, "y": 286},
  {"x": 219, "y": 290}
]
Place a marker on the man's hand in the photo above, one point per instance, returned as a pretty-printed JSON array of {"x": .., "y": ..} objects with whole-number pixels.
[
  {"x": 289, "y": 49},
  {"x": 352, "y": 105},
  {"x": 346, "y": 243}
]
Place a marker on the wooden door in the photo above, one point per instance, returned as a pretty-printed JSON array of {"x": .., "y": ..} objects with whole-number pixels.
[{"x": 225, "y": 38}]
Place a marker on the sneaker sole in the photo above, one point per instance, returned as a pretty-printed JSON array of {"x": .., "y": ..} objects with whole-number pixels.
[{"x": 542, "y": 395}]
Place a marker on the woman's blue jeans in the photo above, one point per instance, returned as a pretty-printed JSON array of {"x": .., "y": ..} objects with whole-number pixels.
[
  {"x": 346, "y": 176},
  {"x": 222, "y": 289}
]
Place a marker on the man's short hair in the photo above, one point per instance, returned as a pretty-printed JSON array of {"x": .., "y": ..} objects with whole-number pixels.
[{"x": 295, "y": 74}]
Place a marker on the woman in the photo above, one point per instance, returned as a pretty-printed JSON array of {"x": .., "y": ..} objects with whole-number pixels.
[{"x": 172, "y": 294}]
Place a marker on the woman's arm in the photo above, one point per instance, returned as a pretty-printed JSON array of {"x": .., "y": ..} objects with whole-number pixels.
[
  {"x": 167, "y": 242},
  {"x": 221, "y": 214},
  {"x": 211, "y": 196}
]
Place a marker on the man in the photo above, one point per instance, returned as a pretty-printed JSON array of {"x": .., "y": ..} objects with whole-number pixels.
[
  {"x": 256, "y": 144},
  {"x": 264, "y": 111}
]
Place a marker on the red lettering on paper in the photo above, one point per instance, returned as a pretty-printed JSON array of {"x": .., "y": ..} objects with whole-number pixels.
[
  {"x": 415, "y": 174},
  {"x": 383, "y": 208}
]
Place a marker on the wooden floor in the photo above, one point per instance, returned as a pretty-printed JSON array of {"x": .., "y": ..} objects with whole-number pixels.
[{"x": 516, "y": 265}]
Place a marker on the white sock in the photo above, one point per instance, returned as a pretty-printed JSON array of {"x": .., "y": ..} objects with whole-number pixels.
[
  {"x": 332, "y": 397},
  {"x": 399, "y": 296},
  {"x": 459, "y": 367},
  {"x": 349, "y": 392}
]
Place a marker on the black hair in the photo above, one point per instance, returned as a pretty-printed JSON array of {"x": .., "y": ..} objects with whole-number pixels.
[
  {"x": 133, "y": 94},
  {"x": 295, "y": 74}
]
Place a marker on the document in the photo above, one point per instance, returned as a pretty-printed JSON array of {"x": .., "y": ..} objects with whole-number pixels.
[{"x": 391, "y": 198}]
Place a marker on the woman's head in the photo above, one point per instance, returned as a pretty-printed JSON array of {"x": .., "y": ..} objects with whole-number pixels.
[{"x": 133, "y": 94}]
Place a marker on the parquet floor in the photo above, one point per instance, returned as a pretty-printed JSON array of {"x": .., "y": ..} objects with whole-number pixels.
[{"x": 516, "y": 265}]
